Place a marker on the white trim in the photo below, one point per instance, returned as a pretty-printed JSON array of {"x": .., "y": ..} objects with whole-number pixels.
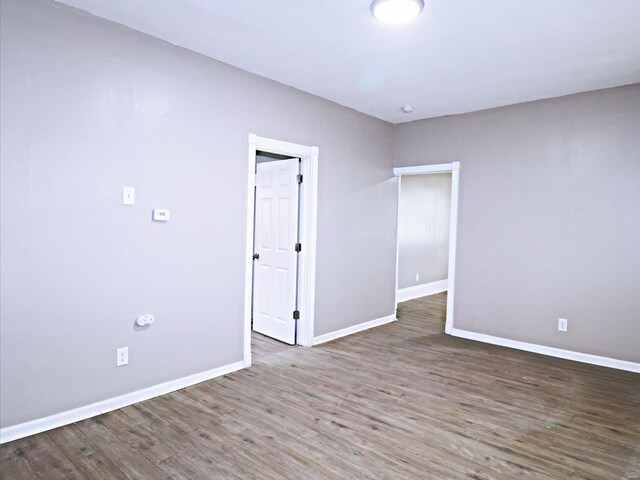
[
  {"x": 39, "y": 425},
  {"x": 281, "y": 148},
  {"x": 454, "y": 168},
  {"x": 248, "y": 266},
  {"x": 549, "y": 351},
  {"x": 423, "y": 290},
  {"x": 308, "y": 232},
  {"x": 398, "y": 241},
  {"x": 327, "y": 337},
  {"x": 453, "y": 243},
  {"x": 423, "y": 169}
]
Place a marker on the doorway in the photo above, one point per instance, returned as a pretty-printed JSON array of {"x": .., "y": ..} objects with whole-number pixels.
[
  {"x": 281, "y": 242},
  {"x": 275, "y": 247},
  {"x": 435, "y": 228}
]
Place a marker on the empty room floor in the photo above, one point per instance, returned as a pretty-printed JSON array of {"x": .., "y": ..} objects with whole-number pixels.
[
  {"x": 261, "y": 346},
  {"x": 398, "y": 401}
]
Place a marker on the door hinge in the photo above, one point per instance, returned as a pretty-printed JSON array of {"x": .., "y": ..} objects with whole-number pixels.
[
  {"x": 296, "y": 314},
  {"x": 299, "y": 177},
  {"x": 298, "y": 247}
]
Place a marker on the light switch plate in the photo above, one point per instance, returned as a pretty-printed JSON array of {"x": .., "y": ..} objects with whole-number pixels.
[{"x": 128, "y": 196}]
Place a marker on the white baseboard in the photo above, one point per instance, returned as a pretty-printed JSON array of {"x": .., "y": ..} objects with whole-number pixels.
[
  {"x": 39, "y": 425},
  {"x": 550, "y": 351},
  {"x": 327, "y": 337},
  {"x": 423, "y": 290}
]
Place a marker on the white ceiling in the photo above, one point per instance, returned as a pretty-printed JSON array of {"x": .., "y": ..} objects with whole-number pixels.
[{"x": 459, "y": 56}]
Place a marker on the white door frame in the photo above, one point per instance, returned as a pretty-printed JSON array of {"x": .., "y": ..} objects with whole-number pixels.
[
  {"x": 454, "y": 169},
  {"x": 308, "y": 227}
]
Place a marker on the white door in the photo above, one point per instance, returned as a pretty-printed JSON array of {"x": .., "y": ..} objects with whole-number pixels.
[{"x": 276, "y": 234}]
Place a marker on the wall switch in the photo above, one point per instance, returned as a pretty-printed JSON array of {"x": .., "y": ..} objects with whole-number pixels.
[
  {"x": 122, "y": 356},
  {"x": 563, "y": 324},
  {"x": 417, "y": 277},
  {"x": 128, "y": 196}
]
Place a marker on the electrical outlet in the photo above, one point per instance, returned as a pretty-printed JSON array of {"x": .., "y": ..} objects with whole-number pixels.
[
  {"x": 122, "y": 356},
  {"x": 563, "y": 325},
  {"x": 417, "y": 277}
]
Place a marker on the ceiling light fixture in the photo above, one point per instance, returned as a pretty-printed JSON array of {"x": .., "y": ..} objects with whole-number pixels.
[
  {"x": 407, "y": 109},
  {"x": 396, "y": 12}
]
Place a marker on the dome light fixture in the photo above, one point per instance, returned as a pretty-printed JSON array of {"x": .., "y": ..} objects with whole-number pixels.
[
  {"x": 396, "y": 12},
  {"x": 407, "y": 109}
]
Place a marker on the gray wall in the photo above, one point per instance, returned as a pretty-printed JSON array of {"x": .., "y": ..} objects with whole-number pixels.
[
  {"x": 423, "y": 229},
  {"x": 89, "y": 107},
  {"x": 549, "y": 220}
]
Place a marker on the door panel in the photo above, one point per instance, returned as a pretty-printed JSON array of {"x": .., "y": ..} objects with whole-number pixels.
[{"x": 276, "y": 228}]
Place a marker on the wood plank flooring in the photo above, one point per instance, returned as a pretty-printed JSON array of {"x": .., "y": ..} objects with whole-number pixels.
[
  {"x": 262, "y": 346},
  {"x": 401, "y": 401}
]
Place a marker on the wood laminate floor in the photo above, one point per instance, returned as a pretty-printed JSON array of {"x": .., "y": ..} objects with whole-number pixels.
[
  {"x": 401, "y": 401},
  {"x": 261, "y": 346}
]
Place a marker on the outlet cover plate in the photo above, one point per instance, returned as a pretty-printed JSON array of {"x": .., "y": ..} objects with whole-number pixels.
[
  {"x": 563, "y": 325},
  {"x": 122, "y": 356}
]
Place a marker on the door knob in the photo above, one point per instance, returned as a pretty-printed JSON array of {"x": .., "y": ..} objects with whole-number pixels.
[{"x": 256, "y": 256}]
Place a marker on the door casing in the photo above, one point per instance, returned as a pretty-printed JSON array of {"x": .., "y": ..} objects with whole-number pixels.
[
  {"x": 308, "y": 229},
  {"x": 454, "y": 169}
]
